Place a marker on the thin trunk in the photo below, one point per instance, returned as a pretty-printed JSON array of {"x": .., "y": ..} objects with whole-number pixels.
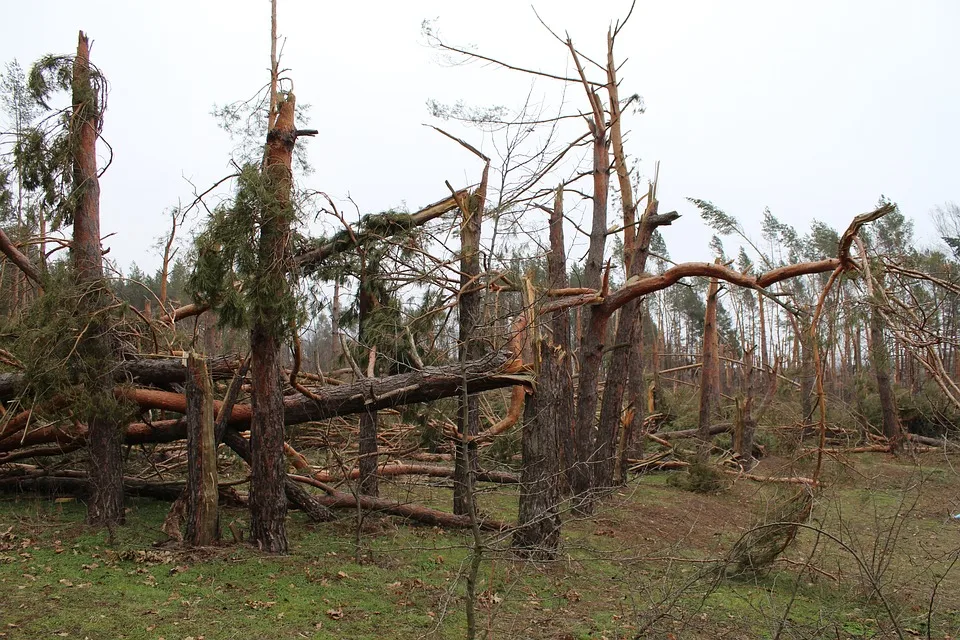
[
  {"x": 203, "y": 524},
  {"x": 335, "y": 325},
  {"x": 709, "y": 373},
  {"x": 808, "y": 374},
  {"x": 880, "y": 360},
  {"x": 746, "y": 421},
  {"x": 369, "y": 484}
]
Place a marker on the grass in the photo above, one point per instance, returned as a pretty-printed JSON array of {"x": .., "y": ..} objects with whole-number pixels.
[{"x": 642, "y": 565}]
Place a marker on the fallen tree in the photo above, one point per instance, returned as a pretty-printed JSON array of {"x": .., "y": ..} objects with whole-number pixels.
[
  {"x": 426, "y": 385},
  {"x": 406, "y": 469},
  {"x": 342, "y": 500},
  {"x": 156, "y": 371}
]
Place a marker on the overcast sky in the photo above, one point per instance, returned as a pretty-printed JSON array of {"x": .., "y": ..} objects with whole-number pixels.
[{"x": 813, "y": 109}]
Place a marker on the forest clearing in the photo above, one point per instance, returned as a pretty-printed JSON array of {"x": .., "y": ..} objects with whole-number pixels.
[
  {"x": 649, "y": 562},
  {"x": 506, "y": 412}
]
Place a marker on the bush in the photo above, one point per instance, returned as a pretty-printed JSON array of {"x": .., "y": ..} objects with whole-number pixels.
[{"x": 700, "y": 478}]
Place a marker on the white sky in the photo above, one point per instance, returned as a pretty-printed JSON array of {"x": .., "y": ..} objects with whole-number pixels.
[{"x": 813, "y": 109}]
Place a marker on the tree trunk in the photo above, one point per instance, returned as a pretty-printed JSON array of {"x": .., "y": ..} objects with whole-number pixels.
[
  {"x": 156, "y": 372},
  {"x": 94, "y": 351},
  {"x": 626, "y": 335},
  {"x": 203, "y": 522},
  {"x": 880, "y": 360},
  {"x": 538, "y": 522},
  {"x": 297, "y": 495},
  {"x": 636, "y": 391},
  {"x": 369, "y": 484},
  {"x": 471, "y": 347},
  {"x": 427, "y": 385},
  {"x": 746, "y": 427},
  {"x": 709, "y": 373},
  {"x": 560, "y": 324},
  {"x": 808, "y": 374},
  {"x": 369, "y": 481},
  {"x": 268, "y": 509}
]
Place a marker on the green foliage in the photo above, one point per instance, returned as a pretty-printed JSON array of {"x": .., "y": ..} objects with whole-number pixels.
[
  {"x": 67, "y": 344},
  {"x": 716, "y": 245},
  {"x": 721, "y": 222},
  {"x": 245, "y": 121},
  {"x": 233, "y": 272},
  {"x": 700, "y": 478},
  {"x": 755, "y": 552}
]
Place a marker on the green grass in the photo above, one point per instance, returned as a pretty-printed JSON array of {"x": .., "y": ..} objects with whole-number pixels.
[{"x": 642, "y": 564}]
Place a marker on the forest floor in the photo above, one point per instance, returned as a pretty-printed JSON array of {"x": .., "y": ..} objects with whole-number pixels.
[{"x": 874, "y": 560}]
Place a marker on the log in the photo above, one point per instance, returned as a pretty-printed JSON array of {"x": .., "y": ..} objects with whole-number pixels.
[
  {"x": 152, "y": 371},
  {"x": 692, "y": 433},
  {"x": 932, "y": 442},
  {"x": 342, "y": 500},
  {"x": 427, "y": 385},
  {"x": 406, "y": 469},
  {"x": 30, "y": 478}
]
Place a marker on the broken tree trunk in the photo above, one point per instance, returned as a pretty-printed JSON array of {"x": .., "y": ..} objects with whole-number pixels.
[
  {"x": 592, "y": 338},
  {"x": 470, "y": 306},
  {"x": 709, "y": 372},
  {"x": 156, "y": 371},
  {"x": 560, "y": 324},
  {"x": 406, "y": 469},
  {"x": 268, "y": 509},
  {"x": 94, "y": 353},
  {"x": 203, "y": 522},
  {"x": 611, "y": 408},
  {"x": 426, "y": 385}
]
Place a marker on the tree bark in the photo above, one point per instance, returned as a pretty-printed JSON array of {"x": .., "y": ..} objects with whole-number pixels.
[
  {"x": 538, "y": 523},
  {"x": 368, "y": 419},
  {"x": 427, "y": 385},
  {"x": 470, "y": 311},
  {"x": 618, "y": 370},
  {"x": 563, "y": 360},
  {"x": 203, "y": 522},
  {"x": 880, "y": 359},
  {"x": 709, "y": 373},
  {"x": 94, "y": 350},
  {"x": 268, "y": 509},
  {"x": 157, "y": 372},
  {"x": 369, "y": 482}
]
